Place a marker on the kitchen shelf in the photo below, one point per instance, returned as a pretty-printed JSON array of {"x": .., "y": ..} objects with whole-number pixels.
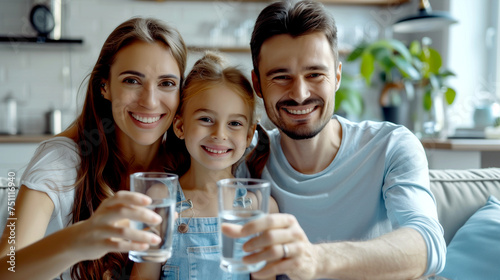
[
  {"x": 240, "y": 49},
  {"x": 38, "y": 40},
  {"x": 346, "y": 2},
  {"x": 365, "y": 2},
  {"x": 220, "y": 49},
  {"x": 21, "y": 138}
]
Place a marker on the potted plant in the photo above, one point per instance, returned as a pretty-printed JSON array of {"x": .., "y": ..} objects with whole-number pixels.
[
  {"x": 395, "y": 61},
  {"x": 432, "y": 91}
]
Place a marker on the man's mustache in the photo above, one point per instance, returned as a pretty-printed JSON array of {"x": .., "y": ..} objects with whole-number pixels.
[{"x": 290, "y": 103}]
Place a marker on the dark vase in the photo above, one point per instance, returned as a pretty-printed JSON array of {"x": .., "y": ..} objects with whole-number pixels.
[{"x": 391, "y": 114}]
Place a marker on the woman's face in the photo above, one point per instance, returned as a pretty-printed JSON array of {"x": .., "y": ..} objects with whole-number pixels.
[
  {"x": 216, "y": 125},
  {"x": 143, "y": 88}
]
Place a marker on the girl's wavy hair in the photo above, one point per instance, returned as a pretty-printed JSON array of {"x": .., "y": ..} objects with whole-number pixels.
[
  {"x": 103, "y": 167},
  {"x": 207, "y": 72}
]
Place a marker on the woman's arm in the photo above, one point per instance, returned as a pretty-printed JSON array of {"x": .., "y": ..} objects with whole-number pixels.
[
  {"x": 32, "y": 211},
  {"x": 46, "y": 258},
  {"x": 146, "y": 271},
  {"x": 42, "y": 260}
]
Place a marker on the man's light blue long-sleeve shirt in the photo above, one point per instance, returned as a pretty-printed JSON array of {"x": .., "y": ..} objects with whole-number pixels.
[{"x": 378, "y": 182}]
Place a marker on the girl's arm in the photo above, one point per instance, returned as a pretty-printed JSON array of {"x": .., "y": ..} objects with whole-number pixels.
[{"x": 35, "y": 257}]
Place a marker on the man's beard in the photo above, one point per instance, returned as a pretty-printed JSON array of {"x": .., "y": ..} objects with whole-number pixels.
[
  {"x": 302, "y": 133},
  {"x": 299, "y": 132}
]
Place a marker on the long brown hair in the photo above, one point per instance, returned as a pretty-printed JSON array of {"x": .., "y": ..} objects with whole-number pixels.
[
  {"x": 208, "y": 71},
  {"x": 103, "y": 167}
]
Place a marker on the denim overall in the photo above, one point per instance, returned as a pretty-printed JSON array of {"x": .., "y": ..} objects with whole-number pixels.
[{"x": 196, "y": 253}]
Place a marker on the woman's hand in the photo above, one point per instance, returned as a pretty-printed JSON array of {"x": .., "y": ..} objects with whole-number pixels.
[{"x": 107, "y": 230}]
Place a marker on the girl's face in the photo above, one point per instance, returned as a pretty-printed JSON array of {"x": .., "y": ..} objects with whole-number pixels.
[
  {"x": 143, "y": 88},
  {"x": 216, "y": 125}
]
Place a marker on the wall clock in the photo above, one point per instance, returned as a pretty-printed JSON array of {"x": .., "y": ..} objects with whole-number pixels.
[{"x": 42, "y": 20}]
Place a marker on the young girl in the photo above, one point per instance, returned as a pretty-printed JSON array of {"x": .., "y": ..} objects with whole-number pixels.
[
  {"x": 216, "y": 122},
  {"x": 69, "y": 206}
]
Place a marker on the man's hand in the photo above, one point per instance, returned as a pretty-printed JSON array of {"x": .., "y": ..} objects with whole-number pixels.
[{"x": 275, "y": 231}]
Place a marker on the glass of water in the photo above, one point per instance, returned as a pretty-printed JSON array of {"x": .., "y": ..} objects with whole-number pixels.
[
  {"x": 240, "y": 200},
  {"x": 162, "y": 188}
]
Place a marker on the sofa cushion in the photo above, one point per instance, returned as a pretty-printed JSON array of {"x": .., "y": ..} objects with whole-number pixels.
[
  {"x": 474, "y": 251},
  {"x": 459, "y": 193}
]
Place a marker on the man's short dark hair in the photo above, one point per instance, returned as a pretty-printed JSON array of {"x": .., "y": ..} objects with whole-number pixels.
[{"x": 303, "y": 18}]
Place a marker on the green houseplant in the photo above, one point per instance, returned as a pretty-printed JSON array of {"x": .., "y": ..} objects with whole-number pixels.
[
  {"x": 432, "y": 91},
  {"x": 405, "y": 71},
  {"x": 388, "y": 55},
  {"x": 433, "y": 78},
  {"x": 395, "y": 61}
]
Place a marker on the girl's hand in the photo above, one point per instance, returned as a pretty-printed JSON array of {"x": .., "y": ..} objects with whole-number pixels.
[{"x": 108, "y": 230}]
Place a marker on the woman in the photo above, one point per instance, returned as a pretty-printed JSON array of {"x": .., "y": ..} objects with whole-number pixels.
[{"x": 70, "y": 209}]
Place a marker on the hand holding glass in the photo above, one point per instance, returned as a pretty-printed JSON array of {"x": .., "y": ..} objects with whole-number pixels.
[
  {"x": 162, "y": 188},
  {"x": 240, "y": 201}
]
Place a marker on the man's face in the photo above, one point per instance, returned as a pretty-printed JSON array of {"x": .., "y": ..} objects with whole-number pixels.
[{"x": 298, "y": 81}]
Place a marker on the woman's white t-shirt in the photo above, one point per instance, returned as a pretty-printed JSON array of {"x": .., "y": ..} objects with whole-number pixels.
[{"x": 53, "y": 170}]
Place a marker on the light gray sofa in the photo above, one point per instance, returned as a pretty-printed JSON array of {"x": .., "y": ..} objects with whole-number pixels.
[{"x": 460, "y": 193}]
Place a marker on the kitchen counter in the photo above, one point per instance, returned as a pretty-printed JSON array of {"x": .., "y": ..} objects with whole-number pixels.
[
  {"x": 24, "y": 138},
  {"x": 463, "y": 144},
  {"x": 462, "y": 153}
]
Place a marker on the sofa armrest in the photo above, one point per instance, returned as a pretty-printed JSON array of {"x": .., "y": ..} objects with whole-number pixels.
[{"x": 459, "y": 193}]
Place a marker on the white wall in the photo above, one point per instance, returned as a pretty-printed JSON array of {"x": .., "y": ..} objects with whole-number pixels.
[
  {"x": 47, "y": 76},
  {"x": 472, "y": 57}
]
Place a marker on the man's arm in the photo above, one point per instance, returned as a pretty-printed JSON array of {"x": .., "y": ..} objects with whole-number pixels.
[{"x": 401, "y": 254}]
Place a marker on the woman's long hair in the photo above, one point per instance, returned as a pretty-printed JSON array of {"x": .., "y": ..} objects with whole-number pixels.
[{"x": 103, "y": 168}]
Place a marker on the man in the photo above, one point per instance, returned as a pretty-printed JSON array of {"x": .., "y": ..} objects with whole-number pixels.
[{"x": 356, "y": 195}]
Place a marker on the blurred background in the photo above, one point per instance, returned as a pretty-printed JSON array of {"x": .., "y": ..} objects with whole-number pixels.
[{"x": 42, "y": 76}]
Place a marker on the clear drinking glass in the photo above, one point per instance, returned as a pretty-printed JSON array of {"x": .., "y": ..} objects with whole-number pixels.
[
  {"x": 240, "y": 200},
  {"x": 162, "y": 188}
]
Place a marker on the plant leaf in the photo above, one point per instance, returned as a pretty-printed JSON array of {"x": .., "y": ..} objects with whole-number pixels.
[
  {"x": 446, "y": 73},
  {"x": 367, "y": 66},
  {"x": 415, "y": 48},
  {"x": 427, "y": 100},
  {"x": 400, "y": 48},
  {"x": 357, "y": 52},
  {"x": 384, "y": 58},
  {"x": 450, "y": 95},
  {"x": 340, "y": 95},
  {"x": 434, "y": 61},
  {"x": 425, "y": 58},
  {"x": 353, "y": 103},
  {"x": 406, "y": 68},
  {"x": 435, "y": 83},
  {"x": 349, "y": 99}
]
